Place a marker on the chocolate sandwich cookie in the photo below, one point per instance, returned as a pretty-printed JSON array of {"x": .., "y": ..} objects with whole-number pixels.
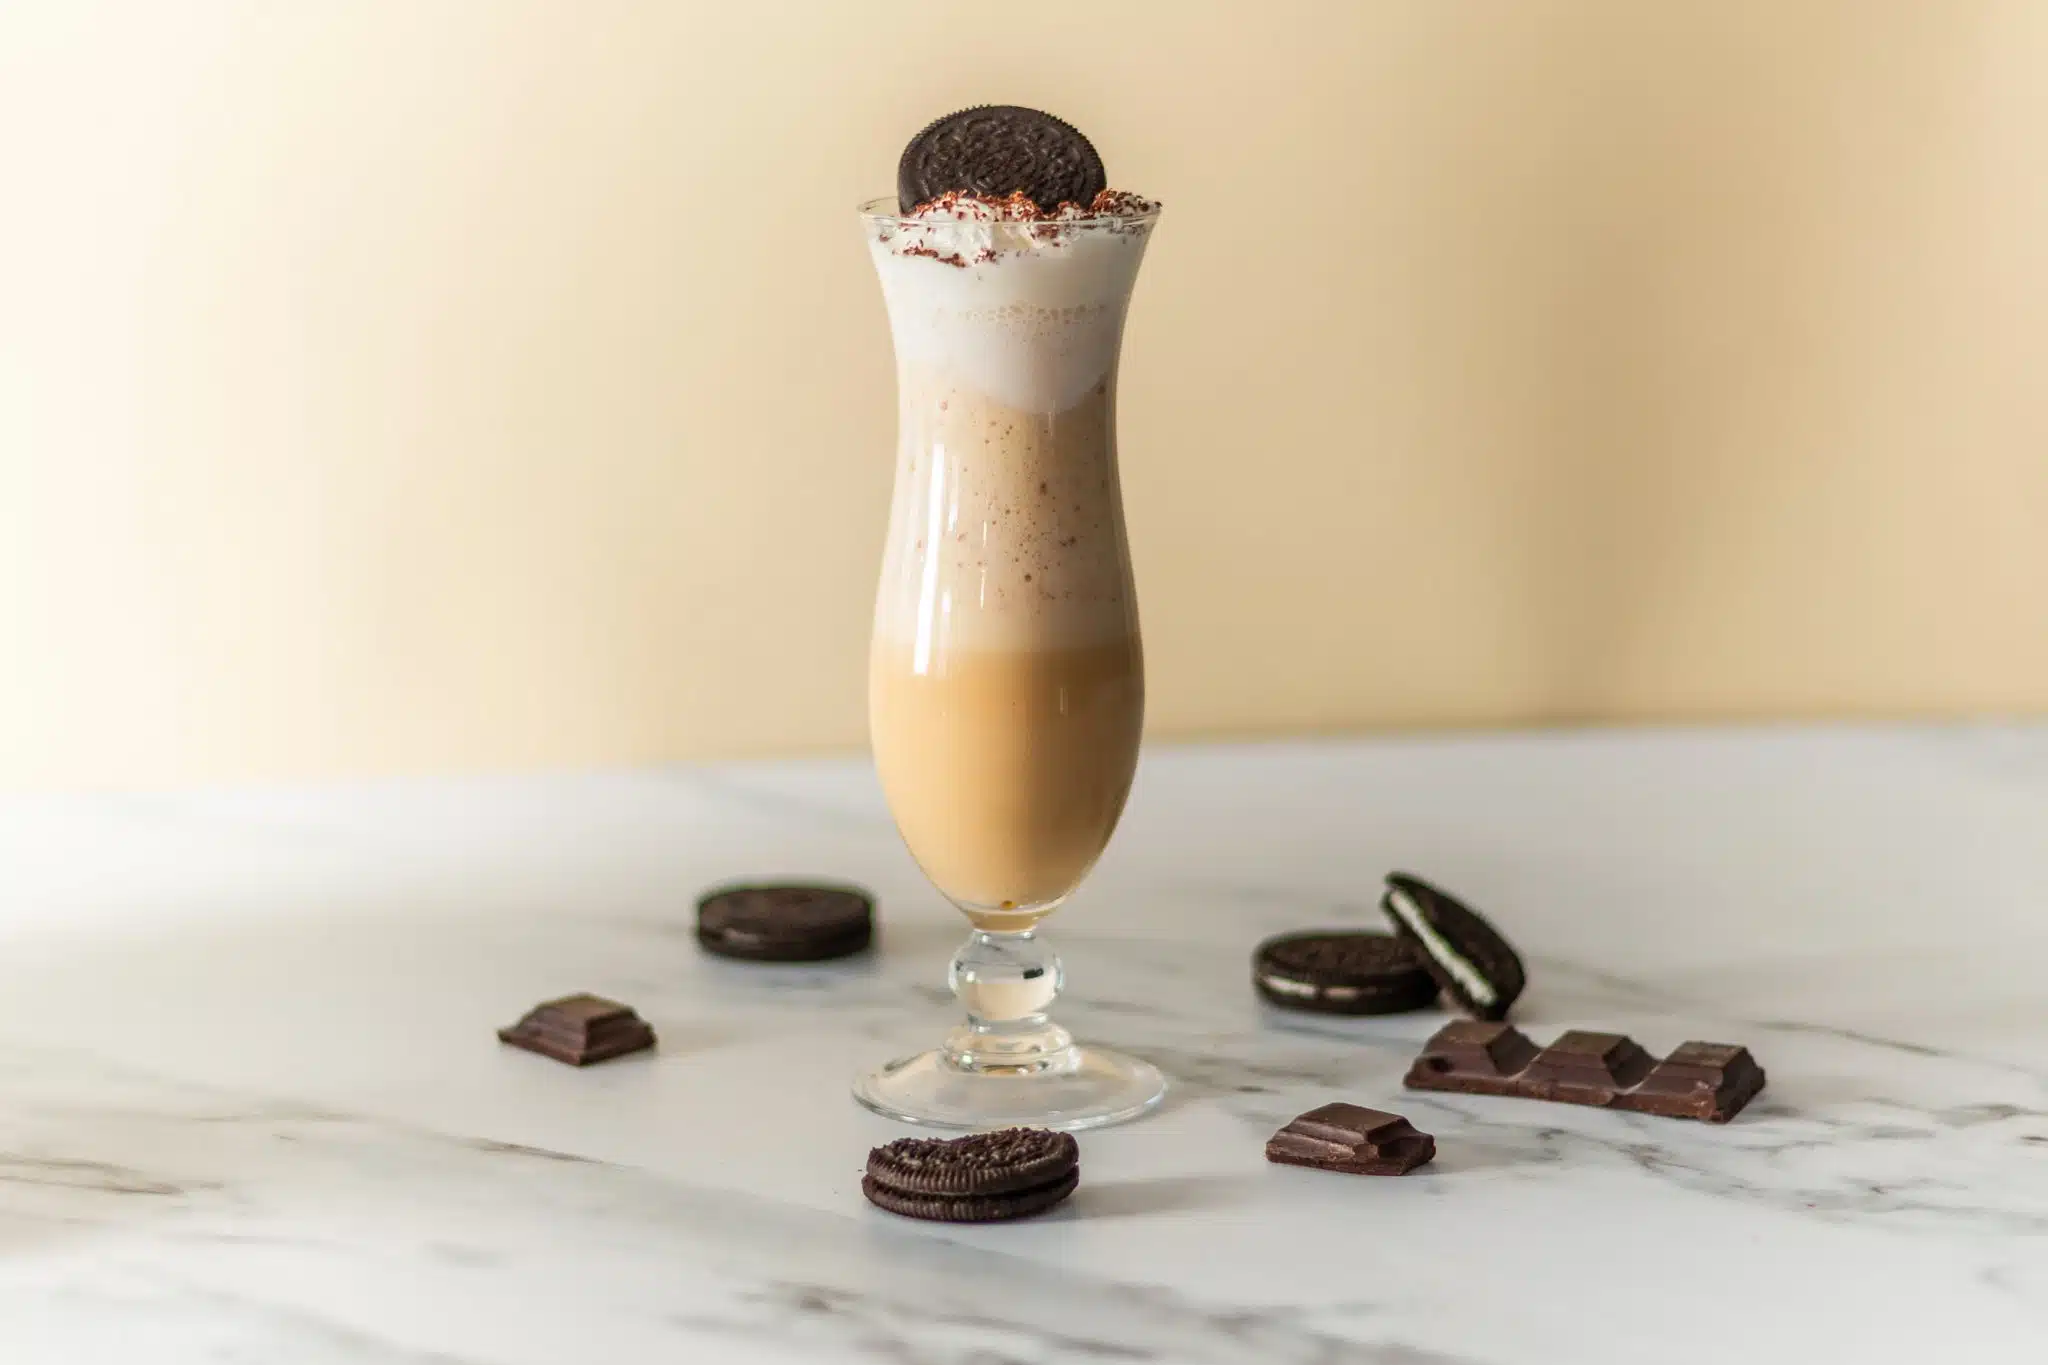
[
  {"x": 580, "y": 1030},
  {"x": 1352, "y": 1139},
  {"x": 1467, "y": 956},
  {"x": 982, "y": 1178},
  {"x": 790, "y": 923},
  {"x": 1335, "y": 971},
  {"x": 994, "y": 150}
]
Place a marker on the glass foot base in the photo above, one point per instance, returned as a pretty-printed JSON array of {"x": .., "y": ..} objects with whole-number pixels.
[{"x": 1092, "y": 1087}]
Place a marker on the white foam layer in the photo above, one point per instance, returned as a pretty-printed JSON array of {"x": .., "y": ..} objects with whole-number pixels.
[{"x": 1029, "y": 314}]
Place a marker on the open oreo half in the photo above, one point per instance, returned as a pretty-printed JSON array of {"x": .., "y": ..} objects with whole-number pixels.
[
  {"x": 1341, "y": 971},
  {"x": 982, "y": 1178},
  {"x": 1467, "y": 956},
  {"x": 994, "y": 150}
]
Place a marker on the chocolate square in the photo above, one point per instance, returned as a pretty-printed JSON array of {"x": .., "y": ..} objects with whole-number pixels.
[
  {"x": 1593, "y": 1061},
  {"x": 1484, "y": 1058},
  {"x": 580, "y": 1030},
  {"x": 1709, "y": 1081},
  {"x": 1352, "y": 1139}
]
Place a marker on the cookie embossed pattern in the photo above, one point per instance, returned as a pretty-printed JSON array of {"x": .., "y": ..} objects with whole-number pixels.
[{"x": 998, "y": 150}]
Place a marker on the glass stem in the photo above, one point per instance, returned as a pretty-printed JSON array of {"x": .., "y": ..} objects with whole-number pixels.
[{"x": 1007, "y": 982}]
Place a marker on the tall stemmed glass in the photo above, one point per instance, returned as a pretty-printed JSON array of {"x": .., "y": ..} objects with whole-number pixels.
[{"x": 1006, "y": 683}]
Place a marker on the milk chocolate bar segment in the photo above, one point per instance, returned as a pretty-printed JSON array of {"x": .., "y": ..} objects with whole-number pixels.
[
  {"x": 1707, "y": 1081},
  {"x": 1586, "y": 1068},
  {"x": 1473, "y": 1057}
]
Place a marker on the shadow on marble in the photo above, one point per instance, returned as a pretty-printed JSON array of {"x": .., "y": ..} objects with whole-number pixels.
[
  {"x": 1400, "y": 1034},
  {"x": 1458, "y": 1156},
  {"x": 1155, "y": 1194}
]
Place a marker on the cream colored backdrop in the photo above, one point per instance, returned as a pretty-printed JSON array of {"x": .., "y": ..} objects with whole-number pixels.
[{"x": 422, "y": 384}]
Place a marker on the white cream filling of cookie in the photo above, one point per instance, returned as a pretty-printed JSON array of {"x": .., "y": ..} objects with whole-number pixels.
[
  {"x": 1477, "y": 986},
  {"x": 1282, "y": 986}
]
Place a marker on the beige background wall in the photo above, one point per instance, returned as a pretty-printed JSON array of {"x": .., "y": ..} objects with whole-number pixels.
[{"x": 419, "y": 384}]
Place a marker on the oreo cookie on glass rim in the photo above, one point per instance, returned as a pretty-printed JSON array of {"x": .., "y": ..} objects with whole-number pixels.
[
  {"x": 1341, "y": 971},
  {"x": 981, "y": 1178},
  {"x": 995, "y": 150},
  {"x": 1468, "y": 957},
  {"x": 785, "y": 922}
]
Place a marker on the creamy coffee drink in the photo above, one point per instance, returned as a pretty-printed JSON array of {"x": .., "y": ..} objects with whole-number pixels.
[{"x": 1006, "y": 684}]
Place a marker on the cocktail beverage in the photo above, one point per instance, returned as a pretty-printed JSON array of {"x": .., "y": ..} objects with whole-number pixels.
[
  {"x": 1006, "y": 688},
  {"x": 1006, "y": 684}
]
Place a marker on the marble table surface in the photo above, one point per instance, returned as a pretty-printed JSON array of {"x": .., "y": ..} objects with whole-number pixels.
[{"x": 252, "y": 1110}]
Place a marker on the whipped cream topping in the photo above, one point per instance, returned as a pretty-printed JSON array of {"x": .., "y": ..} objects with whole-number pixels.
[
  {"x": 963, "y": 230},
  {"x": 1003, "y": 300},
  {"x": 1019, "y": 207}
]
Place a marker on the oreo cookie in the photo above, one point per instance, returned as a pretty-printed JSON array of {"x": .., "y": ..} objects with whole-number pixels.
[
  {"x": 1467, "y": 956},
  {"x": 982, "y": 1178},
  {"x": 994, "y": 150},
  {"x": 1336, "y": 971},
  {"x": 785, "y": 923}
]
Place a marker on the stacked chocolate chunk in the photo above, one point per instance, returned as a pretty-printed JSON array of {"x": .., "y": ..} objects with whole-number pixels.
[
  {"x": 580, "y": 1029},
  {"x": 1352, "y": 1139}
]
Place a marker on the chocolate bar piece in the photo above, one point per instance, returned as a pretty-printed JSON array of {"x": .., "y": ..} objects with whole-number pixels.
[
  {"x": 1700, "y": 1081},
  {"x": 1710, "y": 1081},
  {"x": 580, "y": 1029},
  {"x": 1352, "y": 1139},
  {"x": 1587, "y": 1068}
]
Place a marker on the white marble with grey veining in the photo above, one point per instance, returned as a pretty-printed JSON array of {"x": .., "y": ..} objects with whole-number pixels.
[{"x": 251, "y": 1108}]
